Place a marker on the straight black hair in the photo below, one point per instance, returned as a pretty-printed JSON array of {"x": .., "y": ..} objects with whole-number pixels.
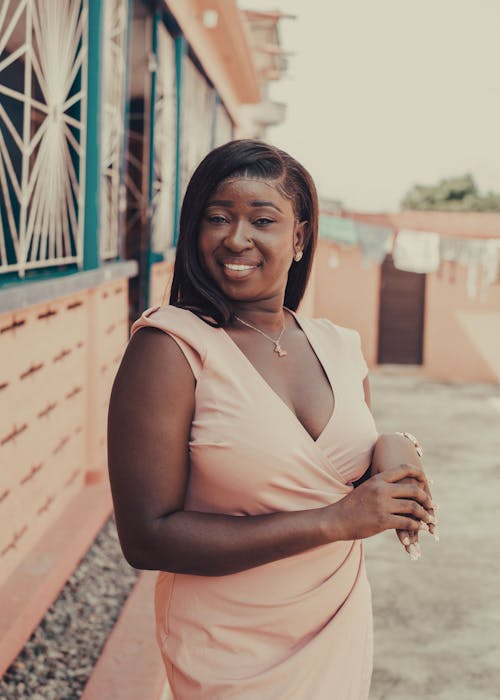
[{"x": 191, "y": 287}]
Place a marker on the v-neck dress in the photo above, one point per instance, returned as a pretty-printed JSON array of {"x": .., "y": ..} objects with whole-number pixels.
[{"x": 299, "y": 628}]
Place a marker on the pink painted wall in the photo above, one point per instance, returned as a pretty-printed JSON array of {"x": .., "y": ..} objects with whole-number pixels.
[
  {"x": 349, "y": 293},
  {"x": 59, "y": 359},
  {"x": 462, "y": 334}
]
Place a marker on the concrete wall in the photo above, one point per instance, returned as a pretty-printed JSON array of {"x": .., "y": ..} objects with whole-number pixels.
[{"x": 461, "y": 334}]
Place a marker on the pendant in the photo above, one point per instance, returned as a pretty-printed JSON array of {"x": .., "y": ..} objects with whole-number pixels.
[{"x": 279, "y": 350}]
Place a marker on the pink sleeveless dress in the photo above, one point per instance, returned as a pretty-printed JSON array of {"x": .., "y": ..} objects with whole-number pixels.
[{"x": 295, "y": 629}]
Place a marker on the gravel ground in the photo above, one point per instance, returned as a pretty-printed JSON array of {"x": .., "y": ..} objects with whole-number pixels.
[{"x": 58, "y": 659}]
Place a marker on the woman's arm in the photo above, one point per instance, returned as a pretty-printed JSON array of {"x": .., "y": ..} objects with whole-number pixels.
[
  {"x": 391, "y": 450},
  {"x": 150, "y": 415}
]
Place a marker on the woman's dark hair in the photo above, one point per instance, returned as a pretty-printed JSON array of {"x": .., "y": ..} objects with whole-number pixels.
[{"x": 191, "y": 287}]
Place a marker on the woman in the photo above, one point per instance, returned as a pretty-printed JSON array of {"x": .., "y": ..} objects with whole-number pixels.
[{"x": 236, "y": 431}]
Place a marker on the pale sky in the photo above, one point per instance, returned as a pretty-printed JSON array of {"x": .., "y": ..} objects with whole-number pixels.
[{"x": 382, "y": 94}]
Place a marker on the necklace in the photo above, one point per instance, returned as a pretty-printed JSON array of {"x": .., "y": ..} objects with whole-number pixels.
[{"x": 277, "y": 347}]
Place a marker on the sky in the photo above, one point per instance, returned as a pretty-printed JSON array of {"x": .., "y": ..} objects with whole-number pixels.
[{"x": 383, "y": 94}]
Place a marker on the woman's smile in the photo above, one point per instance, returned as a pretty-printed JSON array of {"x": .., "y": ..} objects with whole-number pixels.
[{"x": 238, "y": 271}]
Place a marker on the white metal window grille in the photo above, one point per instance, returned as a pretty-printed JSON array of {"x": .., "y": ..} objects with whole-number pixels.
[
  {"x": 164, "y": 144},
  {"x": 223, "y": 125},
  {"x": 113, "y": 95},
  {"x": 43, "y": 80},
  {"x": 197, "y": 120}
]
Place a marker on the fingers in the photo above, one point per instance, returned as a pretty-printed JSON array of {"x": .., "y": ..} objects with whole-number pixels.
[
  {"x": 404, "y": 471},
  {"x": 422, "y": 482},
  {"x": 407, "y": 506},
  {"x": 413, "y": 490},
  {"x": 406, "y": 523},
  {"x": 413, "y": 477},
  {"x": 404, "y": 538}
]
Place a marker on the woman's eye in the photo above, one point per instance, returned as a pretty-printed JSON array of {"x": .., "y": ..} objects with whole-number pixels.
[
  {"x": 216, "y": 219},
  {"x": 263, "y": 221}
]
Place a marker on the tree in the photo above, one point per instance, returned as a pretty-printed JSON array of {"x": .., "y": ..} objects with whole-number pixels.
[{"x": 451, "y": 194}]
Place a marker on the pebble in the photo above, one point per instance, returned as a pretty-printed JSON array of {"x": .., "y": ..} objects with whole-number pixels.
[{"x": 59, "y": 657}]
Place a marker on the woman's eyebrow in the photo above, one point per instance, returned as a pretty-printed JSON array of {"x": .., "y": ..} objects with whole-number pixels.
[
  {"x": 229, "y": 203},
  {"x": 259, "y": 203}
]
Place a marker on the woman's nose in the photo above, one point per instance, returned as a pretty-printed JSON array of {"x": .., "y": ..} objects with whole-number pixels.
[{"x": 239, "y": 237}]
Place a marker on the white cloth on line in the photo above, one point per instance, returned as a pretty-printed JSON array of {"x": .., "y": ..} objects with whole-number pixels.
[{"x": 416, "y": 251}]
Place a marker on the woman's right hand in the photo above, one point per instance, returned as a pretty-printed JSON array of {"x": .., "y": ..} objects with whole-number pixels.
[{"x": 383, "y": 502}]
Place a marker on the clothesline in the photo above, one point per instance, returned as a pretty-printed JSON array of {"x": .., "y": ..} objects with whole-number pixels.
[{"x": 418, "y": 251}]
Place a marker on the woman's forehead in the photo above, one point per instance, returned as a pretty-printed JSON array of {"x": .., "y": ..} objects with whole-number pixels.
[{"x": 247, "y": 186}]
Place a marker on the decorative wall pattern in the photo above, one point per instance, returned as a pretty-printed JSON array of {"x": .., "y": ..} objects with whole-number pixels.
[
  {"x": 43, "y": 394},
  {"x": 113, "y": 91},
  {"x": 43, "y": 64},
  {"x": 58, "y": 363}
]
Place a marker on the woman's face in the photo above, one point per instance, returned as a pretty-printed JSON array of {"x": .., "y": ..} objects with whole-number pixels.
[{"x": 248, "y": 237}]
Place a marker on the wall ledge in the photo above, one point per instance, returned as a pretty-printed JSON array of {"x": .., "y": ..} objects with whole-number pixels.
[{"x": 20, "y": 295}]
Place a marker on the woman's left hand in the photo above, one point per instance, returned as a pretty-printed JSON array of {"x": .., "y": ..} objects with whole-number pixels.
[{"x": 390, "y": 451}]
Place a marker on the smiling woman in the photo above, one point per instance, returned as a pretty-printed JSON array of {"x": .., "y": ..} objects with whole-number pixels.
[{"x": 236, "y": 470}]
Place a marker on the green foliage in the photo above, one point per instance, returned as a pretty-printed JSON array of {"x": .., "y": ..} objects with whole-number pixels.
[{"x": 451, "y": 194}]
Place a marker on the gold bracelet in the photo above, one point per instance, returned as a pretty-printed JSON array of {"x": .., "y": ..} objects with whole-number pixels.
[{"x": 413, "y": 441}]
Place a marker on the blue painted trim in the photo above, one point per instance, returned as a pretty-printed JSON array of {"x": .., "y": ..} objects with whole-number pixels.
[
  {"x": 126, "y": 118},
  {"x": 93, "y": 151},
  {"x": 181, "y": 49},
  {"x": 146, "y": 255}
]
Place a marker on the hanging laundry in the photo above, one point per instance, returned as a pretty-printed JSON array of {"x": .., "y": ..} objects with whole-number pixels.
[
  {"x": 471, "y": 255},
  {"x": 451, "y": 249},
  {"x": 416, "y": 251},
  {"x": 491, "y": 266},
  {"x": 334, "y": 228},
  {"x": 375, "y": 242},
  {"x": 480, "y": 256},
  {"x": 450, "y": 252}
]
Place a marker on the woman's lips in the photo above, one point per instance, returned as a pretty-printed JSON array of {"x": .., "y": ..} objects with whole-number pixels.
[{"x": 238, "y": 271}]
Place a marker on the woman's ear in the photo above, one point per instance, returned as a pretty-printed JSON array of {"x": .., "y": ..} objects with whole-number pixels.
[{"x": 299, "y": 235}]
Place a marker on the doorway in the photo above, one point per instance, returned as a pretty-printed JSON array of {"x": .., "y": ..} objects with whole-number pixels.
[{"x": 401, "y": 315}]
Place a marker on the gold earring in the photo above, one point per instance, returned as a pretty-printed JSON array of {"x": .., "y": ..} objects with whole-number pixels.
[{"x": 298, "y": 256}]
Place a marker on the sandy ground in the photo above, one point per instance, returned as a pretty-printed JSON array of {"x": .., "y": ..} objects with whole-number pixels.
[{"x": 437, "y": 620}]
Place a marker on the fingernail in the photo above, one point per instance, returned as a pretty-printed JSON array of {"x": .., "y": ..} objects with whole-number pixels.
[
  {"x": 435, "y": 506},
  {"x": 435, "y": 534},
  {"x": 414, "y": 552},
  {"x": 406, "y": 541},
  {"x": 432, "y": 519},
  {"x": 423, "y": 526}
]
